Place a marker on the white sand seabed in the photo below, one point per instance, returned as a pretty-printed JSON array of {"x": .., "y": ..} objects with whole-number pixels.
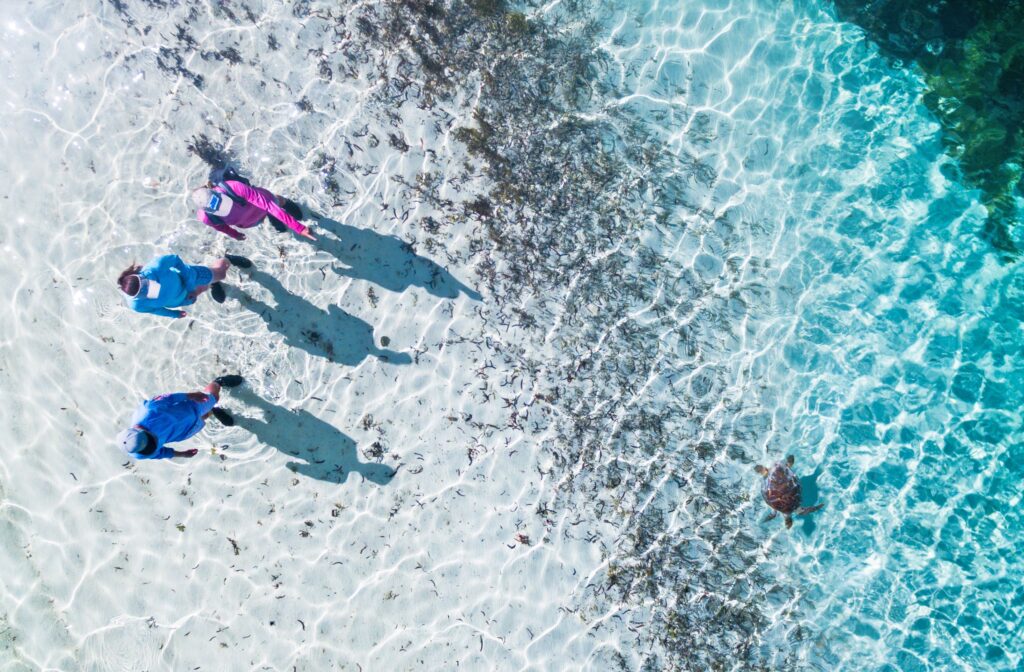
[{"x": 233, "y": 560}]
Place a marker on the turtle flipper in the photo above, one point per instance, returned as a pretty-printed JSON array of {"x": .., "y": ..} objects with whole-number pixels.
[
  {"x": 790, "y": 460},
  {"x": 770, "y": 516},
  {"x": 789, "y": 521},
  {"x": 804, "y": 510}
]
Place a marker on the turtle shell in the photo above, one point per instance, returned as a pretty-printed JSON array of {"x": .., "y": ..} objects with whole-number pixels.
[{"x": 781, "y": 489}]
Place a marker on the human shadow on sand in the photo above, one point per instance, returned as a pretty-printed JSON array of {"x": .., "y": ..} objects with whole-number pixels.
[
  {"x": 330, "y": 333},
  {"x": 387, "y": 261},
  {"x": 322, "y": 451}
]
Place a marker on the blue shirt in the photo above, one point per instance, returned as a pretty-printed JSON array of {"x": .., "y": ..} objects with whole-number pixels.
[
  {"x": 171, "y": 417},
  {"x": 172, "y": 273}
]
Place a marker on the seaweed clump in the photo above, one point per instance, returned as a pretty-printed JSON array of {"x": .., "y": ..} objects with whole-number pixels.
[
  {"x": 972, "y": 57},
  {"x": 211, "y": 152}
]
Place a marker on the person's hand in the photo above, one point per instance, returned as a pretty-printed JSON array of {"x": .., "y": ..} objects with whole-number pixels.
[
  {"x": 186, "y": 453},
  {"x": 240, "y": 236},
  {"x": 182, "y": 313},
  {"x": 306, "y": 233}
]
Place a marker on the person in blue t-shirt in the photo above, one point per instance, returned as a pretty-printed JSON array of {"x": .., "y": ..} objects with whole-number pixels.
[
  {"x": 174, "y": 417},
  {"x": 167, "y": 282}
]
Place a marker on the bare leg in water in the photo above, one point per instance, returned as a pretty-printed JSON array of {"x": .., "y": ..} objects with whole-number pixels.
[
  {"x": 214, "y": 389},
  {"x": 219, "y": 269}
]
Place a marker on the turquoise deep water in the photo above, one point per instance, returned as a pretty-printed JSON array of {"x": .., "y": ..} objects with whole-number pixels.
[{"x": 879, "y": 339}]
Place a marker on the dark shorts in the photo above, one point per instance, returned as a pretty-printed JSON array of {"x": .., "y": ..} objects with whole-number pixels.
[{"x": 196, "y": 276}]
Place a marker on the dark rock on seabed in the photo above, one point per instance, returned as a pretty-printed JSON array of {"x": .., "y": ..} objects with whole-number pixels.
[{"x": 972, "y": 56}]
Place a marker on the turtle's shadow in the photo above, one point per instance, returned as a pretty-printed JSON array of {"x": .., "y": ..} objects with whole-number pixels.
[
  {"x": 321, "y": 450},
  {"x": 809, "y": 493},
  {"x": 331, "y": 333},
  {"x": 387, "y": 261}
]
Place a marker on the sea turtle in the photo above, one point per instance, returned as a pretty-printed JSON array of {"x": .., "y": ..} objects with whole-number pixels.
[{"x": 781, "y": 489}]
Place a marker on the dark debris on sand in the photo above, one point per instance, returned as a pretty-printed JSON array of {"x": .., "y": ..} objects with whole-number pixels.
[
  {"x": 558, "y": 242},
  {"x": 212, "y": 153}
]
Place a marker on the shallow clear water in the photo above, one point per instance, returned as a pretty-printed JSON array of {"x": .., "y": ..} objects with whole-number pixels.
[{"x": 798, "y": 275}]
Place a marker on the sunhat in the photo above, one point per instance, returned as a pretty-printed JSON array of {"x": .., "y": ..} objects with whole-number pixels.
[
  {"x": 134, "y": 440},
  {"x": 213, "y": 202}
]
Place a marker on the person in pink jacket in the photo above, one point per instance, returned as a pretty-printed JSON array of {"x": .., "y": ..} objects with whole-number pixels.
[{"x": 232, "y": 204}]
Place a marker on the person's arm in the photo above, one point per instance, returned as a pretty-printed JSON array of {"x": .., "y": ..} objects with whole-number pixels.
[
  {"x": 223, "y": 228},
  {"x": 169, "y": 262},
  {"x": 264, "y": 200},
  {"x": 158, "y": 310},
  {"x": 166, "y": 453}
]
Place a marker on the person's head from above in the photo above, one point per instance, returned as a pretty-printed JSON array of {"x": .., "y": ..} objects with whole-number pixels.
[
  {"x": 137, "y": 441},
  {"x": 130, "y": 281},
  {"x": 211, "y": 202}
]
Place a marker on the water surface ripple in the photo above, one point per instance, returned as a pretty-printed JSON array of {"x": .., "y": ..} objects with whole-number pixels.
[{"x": 582, "y": 266}]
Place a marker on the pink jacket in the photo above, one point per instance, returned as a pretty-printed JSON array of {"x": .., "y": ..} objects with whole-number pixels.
[{"x": 258, "y": 204}]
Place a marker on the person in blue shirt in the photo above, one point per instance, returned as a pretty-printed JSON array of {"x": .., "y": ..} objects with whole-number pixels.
[
  {"x": 174, "y": 417},
  {"x": 167, "y": 282}
]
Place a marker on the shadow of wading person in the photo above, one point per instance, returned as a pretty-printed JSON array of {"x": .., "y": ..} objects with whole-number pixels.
[
  {"x": 324, "y": 452},
  {"x": 387, "y": 261},
  {"x": 331, "y": 333}
]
